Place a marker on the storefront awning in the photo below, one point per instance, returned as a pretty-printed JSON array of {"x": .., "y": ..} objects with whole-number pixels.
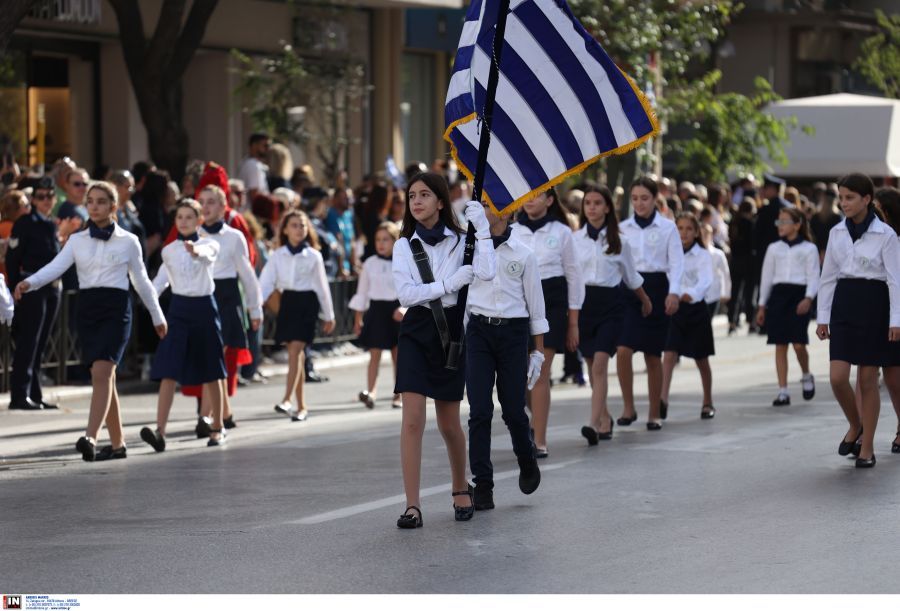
[{"x": 854, "y": 133}]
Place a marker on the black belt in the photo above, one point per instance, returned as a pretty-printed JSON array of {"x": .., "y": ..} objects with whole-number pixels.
[{"x": 497, "y": 322}]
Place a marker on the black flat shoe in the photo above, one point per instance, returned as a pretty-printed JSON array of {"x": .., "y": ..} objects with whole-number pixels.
[
  {"x": 708, "y": 412},
  {"x": 865, "y": 463},
  {"x": 156, "y": 441},
  {"x": 623, "y": 421},
  {"x": 366, "y": 399},
  {"x": 411, "y": 520},
  {"x": 781, "y": 400},
  {"x": 203, "y": 428},
  {"x": 654, "y": 426},
  {"x": 847, "y": 447},
  {"x": 218, "y": 440},
  {"x": 464, "y": 514},
  {"x": 529, "y": 475},
  {"x": 541, "y": 453},
  {"x": 110, "y": 453},
  {"x": 27, "y": 406},
  {"x": 663, "y": 409},
  {"x": 483, "y": 499},
  {"x": 229, "y": 423},
  {"x": 590, "y": 434},
  {"x": 606, "y": 436},
  {"x": 87, "y": 448},
  {"x": 45, "y": 405},
  {"x": 895, "y": 447}
]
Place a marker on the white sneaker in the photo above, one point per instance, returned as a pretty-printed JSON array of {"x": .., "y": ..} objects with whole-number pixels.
[
  {"x": 809, "y": 386},
  {"x": 299, "y": 416},
  {"x": 284, "y": 407}
]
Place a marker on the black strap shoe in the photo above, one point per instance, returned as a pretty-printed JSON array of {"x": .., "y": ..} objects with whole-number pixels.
[
  {"x": 110, "y": 453},
  {"x": 606, "y": 436},
  {"x": 156, "y": 441},
  {"x": 708, "y": 412},
  {"x": 411, "y": 520},
  {"x": 464, "y": 514},
  {"x": 203, "y": 428},
  {"x": 654, "y": 426},
  {"x": 529, "y": 475}
]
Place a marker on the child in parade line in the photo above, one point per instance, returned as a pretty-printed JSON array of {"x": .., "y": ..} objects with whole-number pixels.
[
  {"x": 659, "y": 258},
  {"x": 429, "y": 224},
  {"x": 377, "y": 311},
  {"x": 192, "y": 353},
  {"x": 606, "y": 263},
  {"x": 859, "y": 310},
  {"x": 297, "y": 270},
  {"x": 788, "y": 286},
  {"x": 720, "y": 290},
  {"x": 542, "y": 226},
  {"x": 104, "y": 255},
  {"x": 690, "y": 330},
  {"x": 502, "y": 314}
]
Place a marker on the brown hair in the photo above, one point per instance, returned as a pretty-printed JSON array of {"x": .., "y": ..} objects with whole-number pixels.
[
  {"x": 107, "y": 188},
  {"x": 189, "y": 202},
  {"x": 859, "y": 183},
  {"x": 9, "y": 204},
  {"x": 438, "y": 186},
  {"x": 311, "y": 235},
  {"x": 689, "y": 216},
  {"x": 889, "y": 200},
  {"x": 613, "y": 239},
  {"x": 798, "y": 217}
]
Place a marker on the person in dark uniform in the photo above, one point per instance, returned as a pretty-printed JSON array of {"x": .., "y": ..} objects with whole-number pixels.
[
  {"x": 33, "y": 243},
  {"x": 765, "y": 232}
]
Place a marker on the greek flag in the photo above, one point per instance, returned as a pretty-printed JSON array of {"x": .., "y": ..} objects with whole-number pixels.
[{"x": 561, "y": 102}]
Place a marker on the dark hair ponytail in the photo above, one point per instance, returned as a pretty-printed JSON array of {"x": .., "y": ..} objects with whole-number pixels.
[
  {"x": 888, "y": 199},
  {"x": 556, "y": 210},
  {"x": 613, "y": 239},
  {"x": 859, "y": 183}
]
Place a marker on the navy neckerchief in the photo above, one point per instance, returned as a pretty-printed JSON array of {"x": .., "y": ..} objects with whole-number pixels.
[
  {"x": 431, "y": 236},
  {"x": 535, "y": 224},
  {"x": 857, "y": 231},
  {"x": 500, "y": 239},
  {"x": 101, "y": 233},
  {"x": 686, "y": 250},
  {"x": 793, "y": 242},
  {"x": 594, "y": 232},
  {"x": 193, "y": 237},
  {"x": 383, "y": 258},
  {"x": 642, "y": 222},
  {"x": 294, "y": 250},
  {"x": 215, "y": 227}
]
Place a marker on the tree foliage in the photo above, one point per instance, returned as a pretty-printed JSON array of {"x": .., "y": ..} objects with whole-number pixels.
[{"x": 879, "y": 57}]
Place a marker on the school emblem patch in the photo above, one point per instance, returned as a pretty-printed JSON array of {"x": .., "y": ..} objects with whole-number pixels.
[
  {"x": 863, "y": 261},
  {"x": 652, "y": 237},
  {"x": 515, "y": 268},
  {"x": 13, "y": 243},
  {"x": 552, "y": 242}
]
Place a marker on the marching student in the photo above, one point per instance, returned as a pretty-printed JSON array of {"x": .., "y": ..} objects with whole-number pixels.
[
  {"x": 690, "y": 330},
  {"x": 606, "y": 263},
  {"x": 297, "y": 270},
  {"x": 104, "y": 256},
  {"x": 503, "y": 313},
  {"x": 787, "y": 288},
  {"x": 192, "y": 353},
  {"x": 543, "y": 227},
  {"x": 720, "y": 290},
  {"x": 859, "y": 309},
  {"x": 377, "y": 310},
  {"x": 428, "y": 274},
  {"x": 659, "y": 258}
]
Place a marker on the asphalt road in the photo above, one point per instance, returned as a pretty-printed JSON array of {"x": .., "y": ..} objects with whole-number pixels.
[{"x": 755, "y": 501}]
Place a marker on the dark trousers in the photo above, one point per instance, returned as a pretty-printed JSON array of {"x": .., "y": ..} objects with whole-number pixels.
[
  {"x": 572, "y": 364},
  {"x": 34, "y": 316},
  {"x": 743, "y": 284},
  {"x": 496, "y": 353}
]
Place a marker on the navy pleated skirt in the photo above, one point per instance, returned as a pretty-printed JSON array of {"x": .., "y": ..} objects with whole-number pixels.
[
  {"x": 380, "y": 330},
  {"x": 192, "y": 352},
  {"x": 783, "y": 324},
  {"x": 860, "y": 318},
  {"x": 647, "y": 335},
  {"x": 231, "y": 312},
  {"x": 556, "y": 304},
  {"x": 421, "y": 357},
  {"x": 690, "y": 332},
  {"x": 103, "y": 322},
  {"x": 297, "y": 317},
  {"x": 600, "y": 320}
]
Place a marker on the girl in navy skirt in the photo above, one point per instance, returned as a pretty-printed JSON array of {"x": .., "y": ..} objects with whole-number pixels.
[
  {"x": 542, "y": 226},
  {"x": 421, "y": 357},
  {"x": 193, "y": 352},
  {"x": 606, "y": 263},
  {"x": 297, "y": 270},
  {"x": 659, "y": 259},
  {"x": 690, "y": 330},
  {"x": 789, "y": 283},
  {"x": 378, "y": 312},
  {"x": 887, "y": 200},
  {"x": 859, "y": 309},
  {"x": 104, "y": 256}
]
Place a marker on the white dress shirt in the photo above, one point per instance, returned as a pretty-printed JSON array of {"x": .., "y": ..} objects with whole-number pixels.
[
  {"x": 376, "y": 283},
  {"x": 103, "y": 264},
  {"x": 7, "y": 306},
  {"x": 515, "y": 291},
  {"x": 253, "y": 173},
  {"x": 785, "y": 264},
  {"x": 445, "y": 258},
  {"x": 189, "y": 275},
  {"x": 304, "y": 271},
  {"x": 234, "y": 262},
  {"x": 874, "y": 256},
  {"x": 656, "y": 249},
  {"x": 601, "y": 269},
  {"x": 552, "y": 247},
  {"x": 698, "y": 273},
  {"x": 721, "y": 284}
]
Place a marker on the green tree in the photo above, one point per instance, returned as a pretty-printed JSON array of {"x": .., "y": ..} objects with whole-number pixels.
[{"x": 879, "y": 57}]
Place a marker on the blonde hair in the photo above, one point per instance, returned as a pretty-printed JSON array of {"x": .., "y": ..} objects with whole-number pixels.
[
  {"x": 281, "y": 161},
  {"x": 311, "y": 235},
  {"x": 391, "y": 228},
  {"x": 189, "y": 202},
  {"x": 218, "y": 192},
  {"x": 107, "y": 188}
]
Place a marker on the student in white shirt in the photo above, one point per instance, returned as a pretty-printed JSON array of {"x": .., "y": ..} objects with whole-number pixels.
[
  {"x": 104, "y": 255},
  {"x": 421, "y": 357},
  {"x": 788, "y": 286},
  {"x": 887, "y": 200},
  {"x": 502, "y": 314},
  {"x": 7, "y": 304},
  {"x": 606, "y": 263},
  {"x": 690, "y": 330},
  {"x": 192, "y": 353},
  {"x": 859, "y": 309},
  {"x": 543, "y": 227},
  {"x": 720, "y": 290},
  {"x": 297, "y": 270},
  {"x": 659, "y": 258},
  {"x": 377, "y": 310}
]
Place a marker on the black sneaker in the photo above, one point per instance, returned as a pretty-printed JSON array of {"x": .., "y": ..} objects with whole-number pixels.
[
  {"x": 483, "y": 497},
  {"x": 529, "y": 475},
  {"x": 156, "y": 441},
  {"x": 87, "y": 448},
  {"x": 203, "y": 428},
  {"x": 108, "y": 453}
]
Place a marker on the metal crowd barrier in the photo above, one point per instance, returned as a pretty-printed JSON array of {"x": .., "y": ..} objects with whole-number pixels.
[{"x": 62, "y": 353}]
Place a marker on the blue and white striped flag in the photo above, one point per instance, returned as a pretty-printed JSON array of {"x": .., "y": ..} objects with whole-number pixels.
[{"x": 561, "y": 102}]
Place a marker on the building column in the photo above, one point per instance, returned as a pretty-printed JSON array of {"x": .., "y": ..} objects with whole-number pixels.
[{"x": 386, "y": 57}]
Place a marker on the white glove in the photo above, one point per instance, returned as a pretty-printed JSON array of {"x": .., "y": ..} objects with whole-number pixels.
[
  {"x": 475, "y": 215},
  {"x": 535, "y": 361},
  {"x": 6, "y": 318},
  {"x": 460, "y": 278}
]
